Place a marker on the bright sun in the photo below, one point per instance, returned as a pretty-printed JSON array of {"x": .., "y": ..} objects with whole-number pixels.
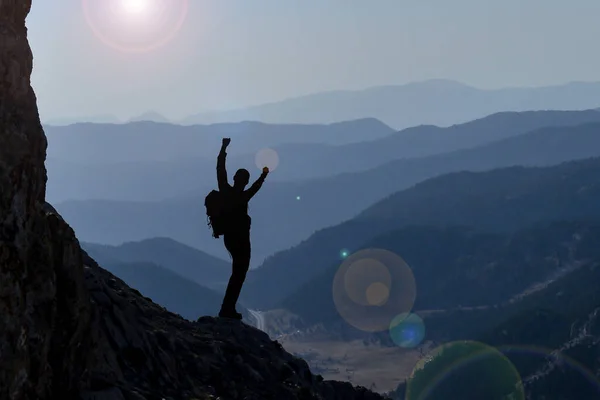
[
  {"x": 135, "y": 6},
  {"x": 134, "y": 25}
]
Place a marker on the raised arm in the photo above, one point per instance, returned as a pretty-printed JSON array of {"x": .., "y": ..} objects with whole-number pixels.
[
  {"x": 221, "y": 171},
  {"x": 257, "y": 184}
]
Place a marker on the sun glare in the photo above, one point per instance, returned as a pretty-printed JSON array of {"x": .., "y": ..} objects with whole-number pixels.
[
  {"x": 135, "y": 25},
  {"x": 135, "y": 6}
]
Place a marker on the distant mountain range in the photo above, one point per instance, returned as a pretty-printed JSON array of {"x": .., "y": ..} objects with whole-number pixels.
[
  {"x": 148, "y": 161},
  {"x": 144, "y": 141},
  {"x": 149, "y": 180},
  {"x": 315, "y": 161},
  {"x": 95, "y": 119},
  {"x": 285, "y": 213},
  {"x": 435, "y": 102},
  {"x": 500, "y": 200},
  {"x": 151, "y": 116},
  {"x": 439, "y": 102}
]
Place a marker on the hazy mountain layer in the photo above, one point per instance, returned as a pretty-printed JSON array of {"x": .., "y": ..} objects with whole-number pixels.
[
  {"x": 436, "y": 102},
  {"x": 101, "y": 176},
  {"x": 141, "y": 141}
]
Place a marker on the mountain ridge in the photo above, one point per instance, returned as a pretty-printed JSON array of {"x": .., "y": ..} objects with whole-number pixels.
[
  {"x": 437, "y": 102},
  {"x": 74, "y": 142}
]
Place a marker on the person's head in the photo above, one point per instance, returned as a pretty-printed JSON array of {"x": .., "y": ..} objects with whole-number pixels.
[{"x": 241, "y": 178}]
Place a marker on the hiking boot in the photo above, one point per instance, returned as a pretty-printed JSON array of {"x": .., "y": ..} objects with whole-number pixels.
[{"x": 230, "y": 314}]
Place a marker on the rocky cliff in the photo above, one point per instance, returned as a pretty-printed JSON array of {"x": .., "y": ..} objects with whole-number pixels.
[{"x": 71, "y": 330}]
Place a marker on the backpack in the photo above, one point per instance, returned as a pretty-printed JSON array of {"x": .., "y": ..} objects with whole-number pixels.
[{"x": 215, "y": 212}]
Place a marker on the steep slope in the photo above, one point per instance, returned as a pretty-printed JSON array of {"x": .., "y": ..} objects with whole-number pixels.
[
  {"x": 70, "y": 329},
  {"x": 311, "y": 205},
  {"x": 174, "y": 292},
  {"x": 162, "y": 355},
  {"x": 570, "y": 371},
  {"x": 497, "y": 200},
  {"x": 436, "y": 102},
  {"x": 183, "y": 260}
]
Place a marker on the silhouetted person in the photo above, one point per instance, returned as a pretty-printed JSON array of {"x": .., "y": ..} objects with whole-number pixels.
[{"x": 237, "y": 228}]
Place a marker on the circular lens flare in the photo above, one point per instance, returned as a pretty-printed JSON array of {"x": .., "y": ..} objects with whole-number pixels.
[
  {"x": 377, "y": 294},
  {"x": 407, "y": 330},
  {"x": 467, "y": 370},
  {"x": 371, "y": 287},
  {"x": 135, "y": 25},
  {"x": 366, "y": 280},
  {"x": 267, "y": 158}
]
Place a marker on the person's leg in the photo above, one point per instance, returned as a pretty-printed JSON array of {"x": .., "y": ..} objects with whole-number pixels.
[{"x": 239, "y": 247}]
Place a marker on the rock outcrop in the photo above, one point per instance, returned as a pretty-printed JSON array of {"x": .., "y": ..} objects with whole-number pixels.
[{"x": 71, "y": 330}]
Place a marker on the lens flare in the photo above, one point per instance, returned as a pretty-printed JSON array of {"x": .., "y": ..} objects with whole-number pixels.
[
  {"x": 377, "y": 294},
  {"x": 371, "y": 287},
  {"x": 267, "y": 158},
  {"x": 135, "y": 25},
  {"x": 465, "y": 370},
  {"x": 407, "y": 330},
  {"x": 364, "y": 278}
]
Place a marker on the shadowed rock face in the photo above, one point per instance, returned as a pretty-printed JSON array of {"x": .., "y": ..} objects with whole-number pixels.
[{"x": 69, "y": 329}]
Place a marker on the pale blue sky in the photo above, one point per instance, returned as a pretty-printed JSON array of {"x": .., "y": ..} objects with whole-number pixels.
[{"x": 232, "y": 53}]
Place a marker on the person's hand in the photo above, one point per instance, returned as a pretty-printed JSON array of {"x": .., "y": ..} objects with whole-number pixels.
[
  {"x": 226, "y": 142},
  {"x": 265, "y": 170}
]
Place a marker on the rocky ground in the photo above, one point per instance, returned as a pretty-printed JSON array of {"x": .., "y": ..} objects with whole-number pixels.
[{"x": 159, "y": 352}]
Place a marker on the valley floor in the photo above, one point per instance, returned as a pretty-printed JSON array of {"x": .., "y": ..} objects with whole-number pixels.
[{"x": 373, "y": 366}]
